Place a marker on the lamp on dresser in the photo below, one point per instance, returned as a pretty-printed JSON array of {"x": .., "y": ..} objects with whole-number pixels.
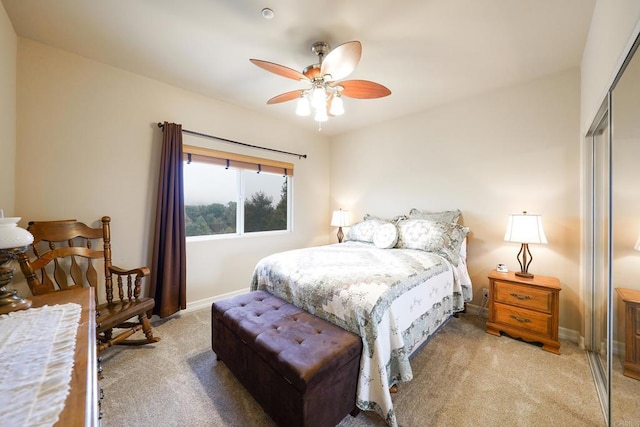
[
  {"x": 525, "y": 229},
  {"x": 340, "y": 219},
  {"x": 13, "y": 242}
]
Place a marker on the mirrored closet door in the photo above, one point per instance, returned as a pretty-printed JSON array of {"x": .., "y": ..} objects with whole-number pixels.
[
  {"x": 612, "y": 333},
  {"x": 625, "y": 259}
]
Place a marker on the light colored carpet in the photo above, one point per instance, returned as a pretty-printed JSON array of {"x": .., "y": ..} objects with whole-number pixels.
[{"x": 462, "y": 377}]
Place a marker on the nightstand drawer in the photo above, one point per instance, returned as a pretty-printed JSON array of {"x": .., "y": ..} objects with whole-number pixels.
[
  {"x": 631, "y": 299},
  {"x": 524, "y": 296},
  {"x": 532, "y": 321}
]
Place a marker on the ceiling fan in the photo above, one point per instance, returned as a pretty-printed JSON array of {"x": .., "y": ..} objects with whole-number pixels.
[{"x": 325, "y": 92}]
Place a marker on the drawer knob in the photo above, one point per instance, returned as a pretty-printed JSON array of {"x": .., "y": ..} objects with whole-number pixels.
[
  {"x": 520, "y": 319},
  {"x": 520, "y": 296}
]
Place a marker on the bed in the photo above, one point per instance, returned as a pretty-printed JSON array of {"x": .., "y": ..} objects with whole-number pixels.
[{"x": 394, "y": 292}]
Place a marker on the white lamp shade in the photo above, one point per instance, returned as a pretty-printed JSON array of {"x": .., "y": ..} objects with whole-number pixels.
[
  {"x": 318, "y": 98},
  {"x": 340, "y": 218},
  {"x": 12, "y": 236},
  {"x": 337, "y": 107},
  {"x": 524, "y": 228},
  {"x": 302, "y": 108},
  {"x": 321, "y": 115}
]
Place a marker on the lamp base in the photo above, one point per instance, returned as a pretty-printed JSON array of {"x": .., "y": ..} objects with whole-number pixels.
[
  {"x": 524, "y": 274},
  {"x": 10, "y": 301}
]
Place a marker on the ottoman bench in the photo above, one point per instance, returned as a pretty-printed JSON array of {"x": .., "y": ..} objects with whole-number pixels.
[{"x": 301, "y": 369}]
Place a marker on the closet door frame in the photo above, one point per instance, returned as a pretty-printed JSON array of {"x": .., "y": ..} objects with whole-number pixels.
[{"x": 600, "y": 128}]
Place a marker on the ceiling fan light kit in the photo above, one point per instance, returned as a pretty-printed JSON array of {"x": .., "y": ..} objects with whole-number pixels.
[
  {"x": 324, "y": 94},
  {"x": 302, "y": 108}
]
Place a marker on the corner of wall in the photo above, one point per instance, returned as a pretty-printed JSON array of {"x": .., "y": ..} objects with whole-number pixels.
[{"x": 8, "y": 115}]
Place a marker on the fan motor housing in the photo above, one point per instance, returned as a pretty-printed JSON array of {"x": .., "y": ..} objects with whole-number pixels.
[
  {"x": 320, "y": 48},
  {"x": 312, "y": 71}
]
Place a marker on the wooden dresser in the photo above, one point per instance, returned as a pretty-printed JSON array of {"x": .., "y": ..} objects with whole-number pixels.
[
  {"x": 631, "y": 300},
  {"x": 81, "y": 406},
  {"x": 525, "y": 308}
]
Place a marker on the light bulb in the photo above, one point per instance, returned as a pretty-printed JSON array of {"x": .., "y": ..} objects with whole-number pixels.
[
  {"x": 337, "y": 107},
  {"x": 303, "y": 109},
  {"x": 318, "y": 98},
  {"x": 321, "y": 115}
]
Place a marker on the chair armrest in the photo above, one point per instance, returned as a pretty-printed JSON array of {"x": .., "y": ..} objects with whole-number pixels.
[
  {"x": 132, "y": 285},
  {"x": 140, "y": 271}
]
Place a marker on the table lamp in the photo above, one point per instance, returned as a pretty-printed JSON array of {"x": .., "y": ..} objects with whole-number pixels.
[
  {"x": 525, "y": 229},
  {"x": 340, "y": 219},
  {"x": 13, "y": 242}
]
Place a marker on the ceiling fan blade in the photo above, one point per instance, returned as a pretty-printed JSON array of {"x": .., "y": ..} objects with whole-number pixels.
[
  {"x": 280, "y": 70},
  {"x": 284, "y": 97},
  {"x": 363, "y": 89},
  {"x": 342, "y": 60}
]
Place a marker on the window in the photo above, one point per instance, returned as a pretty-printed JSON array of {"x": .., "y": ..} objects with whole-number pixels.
[{"x": 227, "y": 194}]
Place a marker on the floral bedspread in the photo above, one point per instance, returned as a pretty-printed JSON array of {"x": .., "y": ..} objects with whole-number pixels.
[{"x": 394, "y": 299}]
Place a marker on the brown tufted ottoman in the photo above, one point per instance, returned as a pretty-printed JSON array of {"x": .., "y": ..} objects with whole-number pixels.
[{"x": 301, "y": 369}]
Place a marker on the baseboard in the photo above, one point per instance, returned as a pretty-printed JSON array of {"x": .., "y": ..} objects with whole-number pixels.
[
  {"x": 618, "y": 348},
  {"x": 477, "y": 310},
  {"x": 206, "y": 302},
  {"x": 563, "y": 333},
  {"x": 571, "y": 335}
]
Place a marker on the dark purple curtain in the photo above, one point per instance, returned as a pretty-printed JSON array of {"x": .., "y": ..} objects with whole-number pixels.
[{"x": 168, "y": 267}]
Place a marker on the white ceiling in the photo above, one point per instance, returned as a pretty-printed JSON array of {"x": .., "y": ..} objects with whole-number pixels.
[{"x": 428, "y": 52}]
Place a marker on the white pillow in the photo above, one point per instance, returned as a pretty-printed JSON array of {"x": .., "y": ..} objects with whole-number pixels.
[
  {"x": 385, "y": 236},
  {"x": 442, "y": 238},
  {"x": 394, "y": 220},
  {"x": 363, "y": 231},
  {"x": 442, "y": 216}
]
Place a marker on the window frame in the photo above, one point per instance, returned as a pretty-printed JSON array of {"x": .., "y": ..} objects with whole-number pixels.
[{"x": 241, "y": 164}]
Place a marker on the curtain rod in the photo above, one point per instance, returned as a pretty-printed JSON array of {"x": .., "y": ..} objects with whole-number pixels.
[{"x": 300, "y": 156}]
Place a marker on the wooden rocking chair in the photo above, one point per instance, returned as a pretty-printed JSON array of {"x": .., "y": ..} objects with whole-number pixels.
[{"x": 66, "y": 250}]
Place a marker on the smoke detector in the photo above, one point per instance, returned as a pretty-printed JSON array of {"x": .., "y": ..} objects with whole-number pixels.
[{"x": 267, "y": 13}]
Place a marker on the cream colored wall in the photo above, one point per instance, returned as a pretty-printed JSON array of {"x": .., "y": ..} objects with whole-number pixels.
[
  {"x": 609, "y": 39},
  {"x": 8, "y": 59},
  {"x": 492, "y": 155},
  {"x": 88, "y": 145}
]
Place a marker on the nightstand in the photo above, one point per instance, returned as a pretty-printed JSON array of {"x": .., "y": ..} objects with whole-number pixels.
[
  {"x": 631, "y": 300},
  {"x": 525, "y": 308}
]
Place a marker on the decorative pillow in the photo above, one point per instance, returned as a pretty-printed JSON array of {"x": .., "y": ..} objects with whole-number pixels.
[
  {"x": 363, "y": 231},
  {"x": 442, "y": 216},
  {"x": 442, "y": 238},
  {"x": 394, "y": 220},
  {"x": 385, "y": 236}
]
